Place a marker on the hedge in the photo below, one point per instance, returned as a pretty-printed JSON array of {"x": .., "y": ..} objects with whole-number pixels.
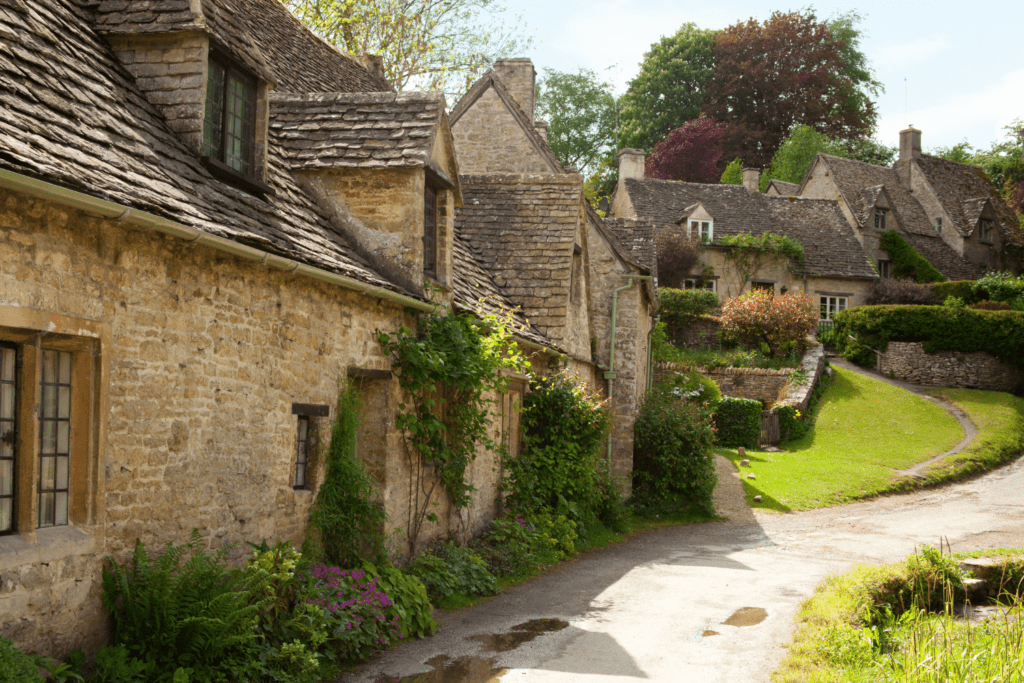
[
  {"x": 941, "y": 328},
  {"x": 906, "y": 262},
  {"x": 961, "y": 289},
  {"x": 738, "y": 421},
  {"x": 683, "y": 305}
]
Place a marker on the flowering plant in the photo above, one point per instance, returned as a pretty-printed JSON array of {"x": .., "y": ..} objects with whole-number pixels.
[
  {"x": 779, "y": 321},
  {"x": 355, "y": 609}
]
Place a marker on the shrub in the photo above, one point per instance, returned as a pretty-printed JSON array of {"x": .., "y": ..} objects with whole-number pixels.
[
  {"x": 681, "y": 306},
  {"x": 738, "y": 422},
  {"x": 677, "y": 257},
  {"x": 991, "y": 306},
  {"x": 791, "y": 424},
  {"x": 15, "y": 665},
  {"x": 903, "y": 291},
  {"x": 963, "y": 289},
  {"x": 517, "y": 543},
  {"x": 409, "y": 600},
  {"x": 999, "y": 333},
  {"x": 695, "y": 387},
  {"x": 906, "y": 262},
  {"x": 779, "y": 321},
  {"x": 355, "y": 610},
  {"x": 954, "y": 302},
  {"x": 564, "y": 428},
  {"x": 672, "y": 459},
  {"x": 447, "y": 569},
  {"x": 999, "y": 287}
]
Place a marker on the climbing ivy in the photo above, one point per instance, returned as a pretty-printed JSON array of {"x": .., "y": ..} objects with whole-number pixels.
[
  {"x": 750, "y": 253},
  {"x": 451, "y": 370}
]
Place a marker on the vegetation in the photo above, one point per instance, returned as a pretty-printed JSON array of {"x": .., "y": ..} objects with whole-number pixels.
[
  {"x": 796, "y": 153},
  {"x": 679, "y": 307},
  {"x": 895, "y": 623},
  {"x": 750, "y": 253},
  {"x": 906, "y": 262},
  {"x": 689, "y": 153},
  {"x": 853, "y": 448},
  {"x": 580, "y": 111},
  {"x": 780, "y": 322},
  {"x": 678, "y": 255},
  {"x": 719, "y": 358},
  {"x": 895, "y": 291},
  {"x": 447, "y": 569},
  {"x": 15, "y": 665},
  {"x": 1000, "y": 286},
  {"x": 962, "y": 289},
  {"x": 738, "y": 422},
  {"x": 864, "y": 330}
]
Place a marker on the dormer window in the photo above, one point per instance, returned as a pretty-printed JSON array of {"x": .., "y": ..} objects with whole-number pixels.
[
  {"x": 985, "y": 230},
  {"x": 880, "y": 215},
  {"x": 702, "y": 230},
  {"x": 938, "y": 224}
]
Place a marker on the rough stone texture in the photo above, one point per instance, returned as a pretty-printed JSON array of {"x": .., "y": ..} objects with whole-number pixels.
[
  {"x": 520, "y": 78},
  {"x": 907, "y": 361},
  {"x": 703, "y": 333},
  {"x": 759, "y": 384},
  {"x": 799, "y": 395}
]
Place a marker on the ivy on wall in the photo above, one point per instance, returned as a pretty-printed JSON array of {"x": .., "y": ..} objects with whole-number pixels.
[
  {"x": 750, "y": 253},
  {"x": 906, "y": 262}
]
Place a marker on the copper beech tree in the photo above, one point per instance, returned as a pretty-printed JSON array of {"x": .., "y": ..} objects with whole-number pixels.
[
  {"x": 689, "y": 153},
  {"x": 780, "y": 321}
]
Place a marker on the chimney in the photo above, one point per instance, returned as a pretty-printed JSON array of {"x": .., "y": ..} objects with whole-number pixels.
[
  {"x": 542, "y": 128},
  {"x": 910, "y": 143},
  {"x": 752, "y": 179},
  {"x": 520, "y": 78},
  {"x": 631, "y": 164}
]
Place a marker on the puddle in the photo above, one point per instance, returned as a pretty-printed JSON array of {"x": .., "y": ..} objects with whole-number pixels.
[
  {"x": 461, "y": 670},
  {"x": 521, "y": 633},
  {"x": 746, "y": 616},
  {"x": 709, "y": 632}
]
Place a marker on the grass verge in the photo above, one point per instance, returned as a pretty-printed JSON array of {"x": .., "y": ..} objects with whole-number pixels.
[
  {"x": 864, "y": 430},
  {"x": 844, "y": 635}
]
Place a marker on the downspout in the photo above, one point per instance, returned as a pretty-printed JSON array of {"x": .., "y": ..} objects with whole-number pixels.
[
  {"x": 650, "y": 354},
  {"x": 610, "y": 372}
]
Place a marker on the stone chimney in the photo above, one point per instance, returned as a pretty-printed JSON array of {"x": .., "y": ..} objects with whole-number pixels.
[
  {"x": 910, "y": 143},
  {"x": 752, "y": 179},
  {"x": 542, "y": 128},
  {"x": 631, "y": 164},
  {"x": 519, "y": 76}
]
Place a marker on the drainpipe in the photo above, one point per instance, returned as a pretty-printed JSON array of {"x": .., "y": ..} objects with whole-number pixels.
[
  {"x": 650, "y": 354},
  {"x": 610, "y": 372}
]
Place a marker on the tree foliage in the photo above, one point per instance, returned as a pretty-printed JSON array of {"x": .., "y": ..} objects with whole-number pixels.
[
  {"x": 791, "y": 69},
  {"x": 796, "y": 153},
  {"x": 779, "y": 321},
  {"x": 733, "y": 174},
  {"x": 580, "y": 111},
  {"x": 669, "y": 89},
  {"x": 690, "y": 153},
  {"x": 677, "y": 257},
  {"x": 424, "y": 44}
]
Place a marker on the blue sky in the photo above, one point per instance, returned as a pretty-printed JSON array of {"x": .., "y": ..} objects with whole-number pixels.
[{"x": 963, "y": 67}]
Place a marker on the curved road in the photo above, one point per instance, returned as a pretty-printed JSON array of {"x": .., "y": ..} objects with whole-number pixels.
[{"x": 655, "y": 606}]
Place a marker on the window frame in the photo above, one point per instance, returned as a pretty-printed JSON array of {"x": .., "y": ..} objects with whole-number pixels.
[
  {"x": 431, "y": 195},
  {"x": 699, "y": 226},
  {"x": 881, "y": 218},
  {"x": 831, "y": 306},
  {"x": 305, "y": 412},
  {"x": 938, "y": 224},
  {"x": 766, "y": 285},
  {"x": 692, "y": 283},
  {"x": 985, "y": 228},
  {"x": 885, "y": 268},
  {"x": 13, "y": 434}
]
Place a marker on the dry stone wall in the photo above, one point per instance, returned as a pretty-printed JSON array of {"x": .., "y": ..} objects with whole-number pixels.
[{"x": 907, "y": 361}]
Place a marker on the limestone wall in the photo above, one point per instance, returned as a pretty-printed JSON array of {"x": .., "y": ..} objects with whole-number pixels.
[
  {"x": 759, "y": 384},
  {"x": 491, "y": 140},
  {"x": 907, "y": 361}
]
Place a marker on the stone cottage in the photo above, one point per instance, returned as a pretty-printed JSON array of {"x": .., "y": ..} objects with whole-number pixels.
[
  {"x": 527, "y": 218},
  {"x": 836, "y": 271},
  {"x": 206, "y": 214}
]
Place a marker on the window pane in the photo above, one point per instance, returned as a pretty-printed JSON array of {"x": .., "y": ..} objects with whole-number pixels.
[
  {"x": 238, "y": 136},
  {"x": 64, "y": 402},
  {"x": 300, "y": 475},
  {"x": 50, "y": 366},
  {"x": 62, "y": 473},
  {"x": 7, "y": 365},
  {"x": 47, "y": 473},
  {"x": 46, "y": 509},
  {"x": 213, "y": 116},
  {"x": 6, "y": 477},
  {"x": 6, "y": 518},
  {"x": 61, "y": 504},
  {"x": 7, "y": 401},
  {"x": 48, "y": 401},
  {"x": 48, "y": 437},
  {"x": 64, "y": 366},
  {"x": 63, "y": 437}
]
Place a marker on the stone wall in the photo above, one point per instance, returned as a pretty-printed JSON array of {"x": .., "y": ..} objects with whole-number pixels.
[
  {"x": 703, "y": 333},
  {"x": 907, "y": 361},
  {"x": 199, "y": 358},
  {"x": 490, "y": 140},
  {"x": 759, "y": 384},
  {"x": 798, "y": 394}
]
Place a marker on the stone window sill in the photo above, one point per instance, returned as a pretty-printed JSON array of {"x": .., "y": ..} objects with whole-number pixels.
[{"x": 49, "y": 545}]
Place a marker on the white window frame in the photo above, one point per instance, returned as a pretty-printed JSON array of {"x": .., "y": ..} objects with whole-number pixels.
[
  {"x": 708, "y": 284},
  {"x": 705, "y": 230},
  {"x": 829, "y": 306},
  {"x": 881, "y": 218}
]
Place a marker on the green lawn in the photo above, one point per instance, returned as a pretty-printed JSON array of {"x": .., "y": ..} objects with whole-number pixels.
[{"x": 865, "y": 430}]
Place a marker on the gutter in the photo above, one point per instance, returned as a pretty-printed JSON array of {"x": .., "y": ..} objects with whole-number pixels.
[{"x": 610, "y": 372}]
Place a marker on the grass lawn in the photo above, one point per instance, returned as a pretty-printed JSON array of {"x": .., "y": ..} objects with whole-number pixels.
[{"x": 865, "y": 429}]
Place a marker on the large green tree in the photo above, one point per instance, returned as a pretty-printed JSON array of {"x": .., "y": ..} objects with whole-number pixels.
[
  {"x": 796, "y": 153},
  {"x": 669, "y": 90},
  {"x": 580, "y": 111},
  {"x": 424, "y": 44}
]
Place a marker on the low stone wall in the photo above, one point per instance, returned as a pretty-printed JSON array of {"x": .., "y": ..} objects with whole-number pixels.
[
  {"x": 907, "y": 361},
  {"x": 799, "y": 395},
  {"x": 702, "y": 333},
  {"x": 755, "y": 383}
]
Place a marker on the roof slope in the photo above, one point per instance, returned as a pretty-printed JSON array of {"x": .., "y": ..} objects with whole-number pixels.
[
  {"x": 74, "y": 117},
  {"x": 783, "y": 188},
  {"x": 963, "y": 190},
  {"x": 735, "y": 209},
  {"x": 637, "y": 239},
  {"x": 831, "y": 249}
]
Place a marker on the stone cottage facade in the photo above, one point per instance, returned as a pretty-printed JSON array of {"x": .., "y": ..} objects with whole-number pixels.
[{"x": 206, "y": 215}]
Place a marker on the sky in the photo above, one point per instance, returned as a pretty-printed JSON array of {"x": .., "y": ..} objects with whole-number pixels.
[{"x": 953, "y": 70}]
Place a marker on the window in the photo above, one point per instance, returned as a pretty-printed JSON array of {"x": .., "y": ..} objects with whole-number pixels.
[
  {"x": 305, "y": 441},
  {"x": 702, "y": 230},
  {"x": 229, "y": 122},
  {"x": 711, "y": 285},
  {"x": 938, "y": 224},
  {"x": 54, "y": 438},
  {"x": 831, "y": 305},
  {"x": 985, "y": 230},
  {"x": 8, "y": 437},
  {"x": 880, "y": 218},
  {"x": 884, "y": 268},
  {"x": 767, "y": 286},
  {"x": 430, "y": 232},
  {"x": 302, "y": 452}
]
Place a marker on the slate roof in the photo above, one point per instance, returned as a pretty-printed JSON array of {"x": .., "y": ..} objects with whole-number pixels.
[
  {"x": 522, "y": 229},
  {"x": 362, "y": 130},
  {"x": 735, "y": 209},
  {"x": 72, "y": 116},
  {"x": 783, "y": 188},
  {"x": 262, "y": 33},
  {"x": 860, "y": 182},
  {"x": 637, "y": 238},
  {"x": 963, "y": 191},
  {"x": 830, "y": 247}
]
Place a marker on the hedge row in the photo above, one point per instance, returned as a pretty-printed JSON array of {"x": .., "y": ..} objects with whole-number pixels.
[
  {"x": 738, "y": 421},
  {"x": 906, "y": 262},
  {"x": 941, "y": 328}
]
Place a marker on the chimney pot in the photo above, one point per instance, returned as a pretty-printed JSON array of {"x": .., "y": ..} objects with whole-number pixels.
[
  {"x": 752, "y": 179},
  {"x": 519, "y": 76},
  {"x": 910, "y": 143},
  {"x": 631, "y": 164}
]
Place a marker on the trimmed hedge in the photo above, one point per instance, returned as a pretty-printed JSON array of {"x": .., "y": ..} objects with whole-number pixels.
[
  {"x": 961, "y": 289},
  {"x": 738, "y": 421},
  {"x": 906, "y": 262},
  {"x": 791, "y": 424},
  {"x": 679, "y": 306},
  {"x": 941, "y": 328}
]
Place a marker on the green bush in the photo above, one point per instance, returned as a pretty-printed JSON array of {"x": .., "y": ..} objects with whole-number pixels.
[
  {"x": 695, "y": 387},
  {"x": 791, "y": 423},
  {"x": 999, "y": 287},
  {"x": 516, "y": 543},
  {"x": 447, "y": 569},
  {"x": 410, "y": 604},
  {"x": 681, "y": 306},
  {"x": 962, "y": 289},
  {"x": 999, "y": 333},
  {"x": 15, "y": 665},
  {"x": 906, "y": 262},
  {"x": 673, "y": 465},
  {"x": 738, "y": 421}
]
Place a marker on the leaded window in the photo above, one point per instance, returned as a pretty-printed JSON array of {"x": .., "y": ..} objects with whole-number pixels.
[
  {"x": 985, "y": 230},
  {"x": 8, "y": 437},
  {"x": 54, "y": 438},
  {"x": 702, "y": 230},
  {"x": 884, "y": 268},
  {"x": 430, "y": 232},
  {"x": 302, "y": 452},
  {"x": 229, "y": 121}
]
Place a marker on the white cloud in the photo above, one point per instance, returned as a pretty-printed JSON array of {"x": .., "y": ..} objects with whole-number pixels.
[{"x": 907, "y": 53}]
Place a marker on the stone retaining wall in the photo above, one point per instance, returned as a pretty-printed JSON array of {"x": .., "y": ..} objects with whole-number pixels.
[
  {"x": 702, "y": 333},
  {"x": 907, "y": 361},
  {"x": 799, "y": 395},
  {"x": 755, "y": 383}
]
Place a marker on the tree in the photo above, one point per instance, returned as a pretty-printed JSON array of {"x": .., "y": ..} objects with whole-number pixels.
[
  {"x": 580, "y": 111},
  {"x": 689, "y": 153},
  {"x": 854, "y": 65},
  {"x": 961, "y": 152},
  {"x": 796, "y": 153},
  {"x": 790, "y": 70},
  {"x": 677, "y": 257},
  {"x": 669, "y": 90},
  {"x": 871, "y": 151},
  {"x": 779, "y": 321},
  {"x": 733, "y": 174},
  {"x": 424, "y": 44}
]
